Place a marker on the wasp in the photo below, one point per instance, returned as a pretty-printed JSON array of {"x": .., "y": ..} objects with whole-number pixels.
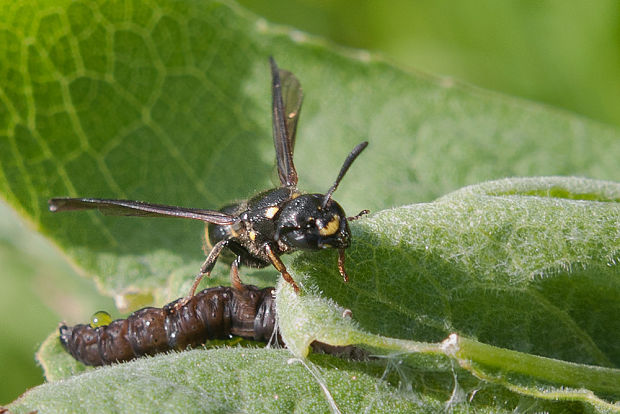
[{"x": 274, "y": 222}]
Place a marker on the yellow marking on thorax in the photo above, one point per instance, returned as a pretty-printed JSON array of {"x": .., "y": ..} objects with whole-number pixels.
[
  {"x": 271, "y": 212},
  {"x": 252, "y": 235},
  {"x": 331, "y": 227}
]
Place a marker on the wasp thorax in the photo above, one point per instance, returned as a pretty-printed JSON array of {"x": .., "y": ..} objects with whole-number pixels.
[{"x": 305, "y": 224}]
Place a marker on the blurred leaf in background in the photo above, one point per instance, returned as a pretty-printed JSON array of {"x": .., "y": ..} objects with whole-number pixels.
[{"x": 566, "y": 54}]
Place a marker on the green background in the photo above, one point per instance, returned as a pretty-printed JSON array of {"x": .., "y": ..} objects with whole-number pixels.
[{"x": 564, "y": 55}]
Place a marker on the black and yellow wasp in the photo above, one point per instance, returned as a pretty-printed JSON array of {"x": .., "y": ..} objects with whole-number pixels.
[{"x": 274, "y": 222}]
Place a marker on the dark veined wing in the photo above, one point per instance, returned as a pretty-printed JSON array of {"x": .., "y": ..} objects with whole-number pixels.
[
  {"x": 292, "y": 97},
  {"x": 287, "y": 99},
  {"x": 138, "y": 208}
]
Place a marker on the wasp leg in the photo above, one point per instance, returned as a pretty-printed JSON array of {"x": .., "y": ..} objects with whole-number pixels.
[
  {"x": 208, "y": 265},
  {"x": 235, "y": 280},
  {"x": 277, "y": 263},
  {"x": 343, "y": 272},
  {"x": 205, "y": 269}
]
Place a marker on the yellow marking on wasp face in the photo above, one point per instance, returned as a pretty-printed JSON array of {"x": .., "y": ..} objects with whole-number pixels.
[
  {"x": 252, "y": 235},
  {"x": 271, "y": 211},
  {"x": 331, "y": 227},
  {"x": 295, "y": 195}
]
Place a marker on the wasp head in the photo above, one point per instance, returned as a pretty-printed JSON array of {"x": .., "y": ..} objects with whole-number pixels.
[
  {"x": 305, "y": 223},
  {"x": 316, "y": 221}
]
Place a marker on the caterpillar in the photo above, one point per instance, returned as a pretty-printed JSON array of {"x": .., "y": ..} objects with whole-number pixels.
[{"x": 214, "y": 313}]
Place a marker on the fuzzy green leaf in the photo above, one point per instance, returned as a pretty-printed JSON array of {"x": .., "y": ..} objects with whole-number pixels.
[
  {"x": 527, "y": 265},
  {"x": 222, "y": 380},
  {"x": 489, "y": 261},
  {"x": 267, "y": 380}
]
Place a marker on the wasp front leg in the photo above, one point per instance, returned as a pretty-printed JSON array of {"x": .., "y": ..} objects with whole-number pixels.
[
  {"x": 277, "y": 263},
  {"x": 205, "y": 270}
]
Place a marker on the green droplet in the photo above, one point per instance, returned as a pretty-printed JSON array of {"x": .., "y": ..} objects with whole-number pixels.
[{"x": 101, "y": 318}]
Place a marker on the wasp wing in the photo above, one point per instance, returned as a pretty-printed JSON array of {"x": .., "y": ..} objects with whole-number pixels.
[
  {"x": 287, "y": 99},
  {"x": 292, "y": 97},
  {"x": 139, "y": 208}
]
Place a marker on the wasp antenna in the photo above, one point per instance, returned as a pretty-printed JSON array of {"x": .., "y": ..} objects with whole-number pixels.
[
  {"x": 345, "y": 167},
  {"x": 359, "y": 215}
]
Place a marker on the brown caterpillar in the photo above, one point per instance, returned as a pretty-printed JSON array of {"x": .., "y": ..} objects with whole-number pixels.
[{"x": 214, "y": 313}]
